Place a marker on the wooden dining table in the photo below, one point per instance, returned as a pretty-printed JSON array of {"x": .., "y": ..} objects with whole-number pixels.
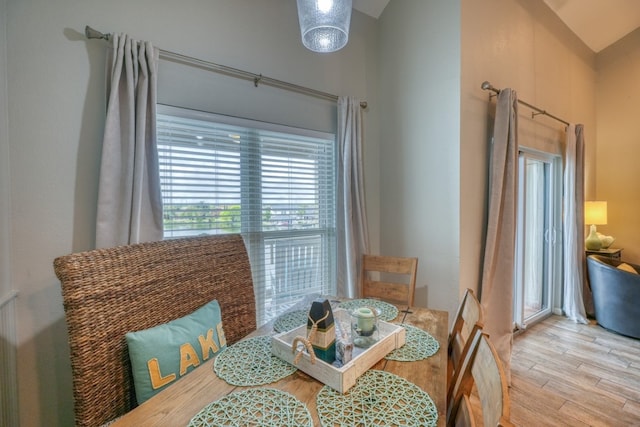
[{"x": 177, "y": 404}]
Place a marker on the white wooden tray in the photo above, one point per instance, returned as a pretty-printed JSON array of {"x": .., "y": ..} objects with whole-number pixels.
[{"x": 341, "y": 379}]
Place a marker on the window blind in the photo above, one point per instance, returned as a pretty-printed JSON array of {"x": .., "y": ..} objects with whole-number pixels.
[{"x": 273, "y": 184}]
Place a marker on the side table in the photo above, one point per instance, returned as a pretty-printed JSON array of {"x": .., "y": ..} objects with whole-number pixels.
[{"x": 614, "y": 253}]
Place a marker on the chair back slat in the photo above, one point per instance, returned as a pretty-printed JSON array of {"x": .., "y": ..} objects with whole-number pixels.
[
  {"x": 469, "y": 317},
  {"x": 465, "y": 415},
  {"x": 483, "y": 369},
  {"x": 391, "y": 279}
]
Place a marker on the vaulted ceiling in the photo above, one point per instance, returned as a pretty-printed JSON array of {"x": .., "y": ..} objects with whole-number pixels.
[
  {"x": 598, "y": 23},
  {"x": 370, "y": 7}
]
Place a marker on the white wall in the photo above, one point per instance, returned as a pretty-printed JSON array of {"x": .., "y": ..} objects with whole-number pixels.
[
  {"x": 56, "y": 114},
  {"x": 420, "y": 142},
  {"x": 523, "y": 45},
  {"x": 617, "y": 172}
]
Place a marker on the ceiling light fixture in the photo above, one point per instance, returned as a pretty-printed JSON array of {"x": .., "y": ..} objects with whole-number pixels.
[{"x": 324, "y": 24}]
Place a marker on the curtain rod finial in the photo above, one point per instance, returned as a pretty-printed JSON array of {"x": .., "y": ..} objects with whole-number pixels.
[
  {"x": 90, "y": 33},
  {"x": 488, "y": 86}
]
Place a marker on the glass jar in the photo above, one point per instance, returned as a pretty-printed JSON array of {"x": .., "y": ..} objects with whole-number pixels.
[{"x": 364, "y": 327}]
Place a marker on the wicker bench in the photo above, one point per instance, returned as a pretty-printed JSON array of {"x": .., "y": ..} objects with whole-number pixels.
[{"x": 108, "y": 292}]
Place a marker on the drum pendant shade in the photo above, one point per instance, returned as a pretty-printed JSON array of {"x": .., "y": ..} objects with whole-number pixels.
[{"x": 324, "y": 24}]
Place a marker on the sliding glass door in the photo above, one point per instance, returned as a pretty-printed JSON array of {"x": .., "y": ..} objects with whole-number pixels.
[{"x": 538, "y": 207}]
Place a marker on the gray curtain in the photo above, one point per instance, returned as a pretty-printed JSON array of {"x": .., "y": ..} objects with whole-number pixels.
[
  {"x": 499, "y": 256},
  {"x": 352, "y": 235},
  {"x": 129, "y": 197},
  {"x": 573, "y": 225}
]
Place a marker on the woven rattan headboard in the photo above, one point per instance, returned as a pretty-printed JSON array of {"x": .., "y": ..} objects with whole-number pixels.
[{"x": 108, "y": 292}]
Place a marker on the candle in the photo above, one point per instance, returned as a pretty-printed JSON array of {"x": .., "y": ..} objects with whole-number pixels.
[{"x": 366, "y": 320}]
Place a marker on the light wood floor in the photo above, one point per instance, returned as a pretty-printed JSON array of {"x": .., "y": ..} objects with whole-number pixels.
[{"x": 568, "y": 374}]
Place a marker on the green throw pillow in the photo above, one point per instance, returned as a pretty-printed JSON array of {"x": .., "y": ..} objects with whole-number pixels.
[{"x": 162, "y": 354}]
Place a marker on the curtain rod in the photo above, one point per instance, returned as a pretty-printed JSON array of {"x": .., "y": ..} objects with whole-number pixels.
[
  {"x": 90, "y": 33},
  {"x": 487, "y": 86}
]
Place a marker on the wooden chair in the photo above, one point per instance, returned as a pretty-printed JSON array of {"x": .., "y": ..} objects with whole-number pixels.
[
  {"x": 465, "y": 415},
  {"x": 481, "y": 367},
  {"x": 109, "y": 292},
  {"x": 390, "y": 268},
  {"x": 469, "y": 318}
]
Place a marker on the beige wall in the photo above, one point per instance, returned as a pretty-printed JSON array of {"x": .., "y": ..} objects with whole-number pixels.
[
  {"x": 56, "y": 117},
  {"x": 519, "y": 44},
  {"x": 617, "y": 172}
]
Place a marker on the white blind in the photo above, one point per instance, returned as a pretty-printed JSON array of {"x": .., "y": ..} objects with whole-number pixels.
[{"x": 273, "y": 184}]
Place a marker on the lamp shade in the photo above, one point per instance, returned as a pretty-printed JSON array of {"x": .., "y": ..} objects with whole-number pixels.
[
  {"x": 324, "y": 24},
  {"x": 595, "y": 213}
]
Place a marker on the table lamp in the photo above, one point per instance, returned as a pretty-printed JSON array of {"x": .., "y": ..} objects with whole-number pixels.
[{"x": 595, "y": 213}]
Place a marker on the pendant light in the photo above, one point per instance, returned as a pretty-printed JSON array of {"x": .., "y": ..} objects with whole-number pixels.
[{"x": 324, "y": 24}]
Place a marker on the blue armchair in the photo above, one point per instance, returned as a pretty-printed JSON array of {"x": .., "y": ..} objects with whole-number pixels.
[{"x": 616, "y": 295}]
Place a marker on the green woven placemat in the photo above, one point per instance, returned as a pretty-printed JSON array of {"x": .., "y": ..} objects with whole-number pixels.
[
  {"x": 419, "y": 345},
  {"x": 264, "y": 407},
  {"x": 388, "y": 312},
  {"x": 378, "y": 399},
  {"x": 291, "y": 320},
  {"x": 250, "y": 362}
]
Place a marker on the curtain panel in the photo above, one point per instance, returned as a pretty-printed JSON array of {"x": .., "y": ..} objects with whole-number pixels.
[
  {"x": 573, "y": 226},
  {"x": 496, "y": 292},
  {"x": 129, "y": 197},
  {"x": 351, "y": 227}
]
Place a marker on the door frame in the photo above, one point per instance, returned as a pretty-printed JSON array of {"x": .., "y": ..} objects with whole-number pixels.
[{"x": 553, "y": 238}]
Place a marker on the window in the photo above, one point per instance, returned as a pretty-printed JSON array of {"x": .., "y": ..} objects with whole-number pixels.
[{"x": 273, "y": 184}]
